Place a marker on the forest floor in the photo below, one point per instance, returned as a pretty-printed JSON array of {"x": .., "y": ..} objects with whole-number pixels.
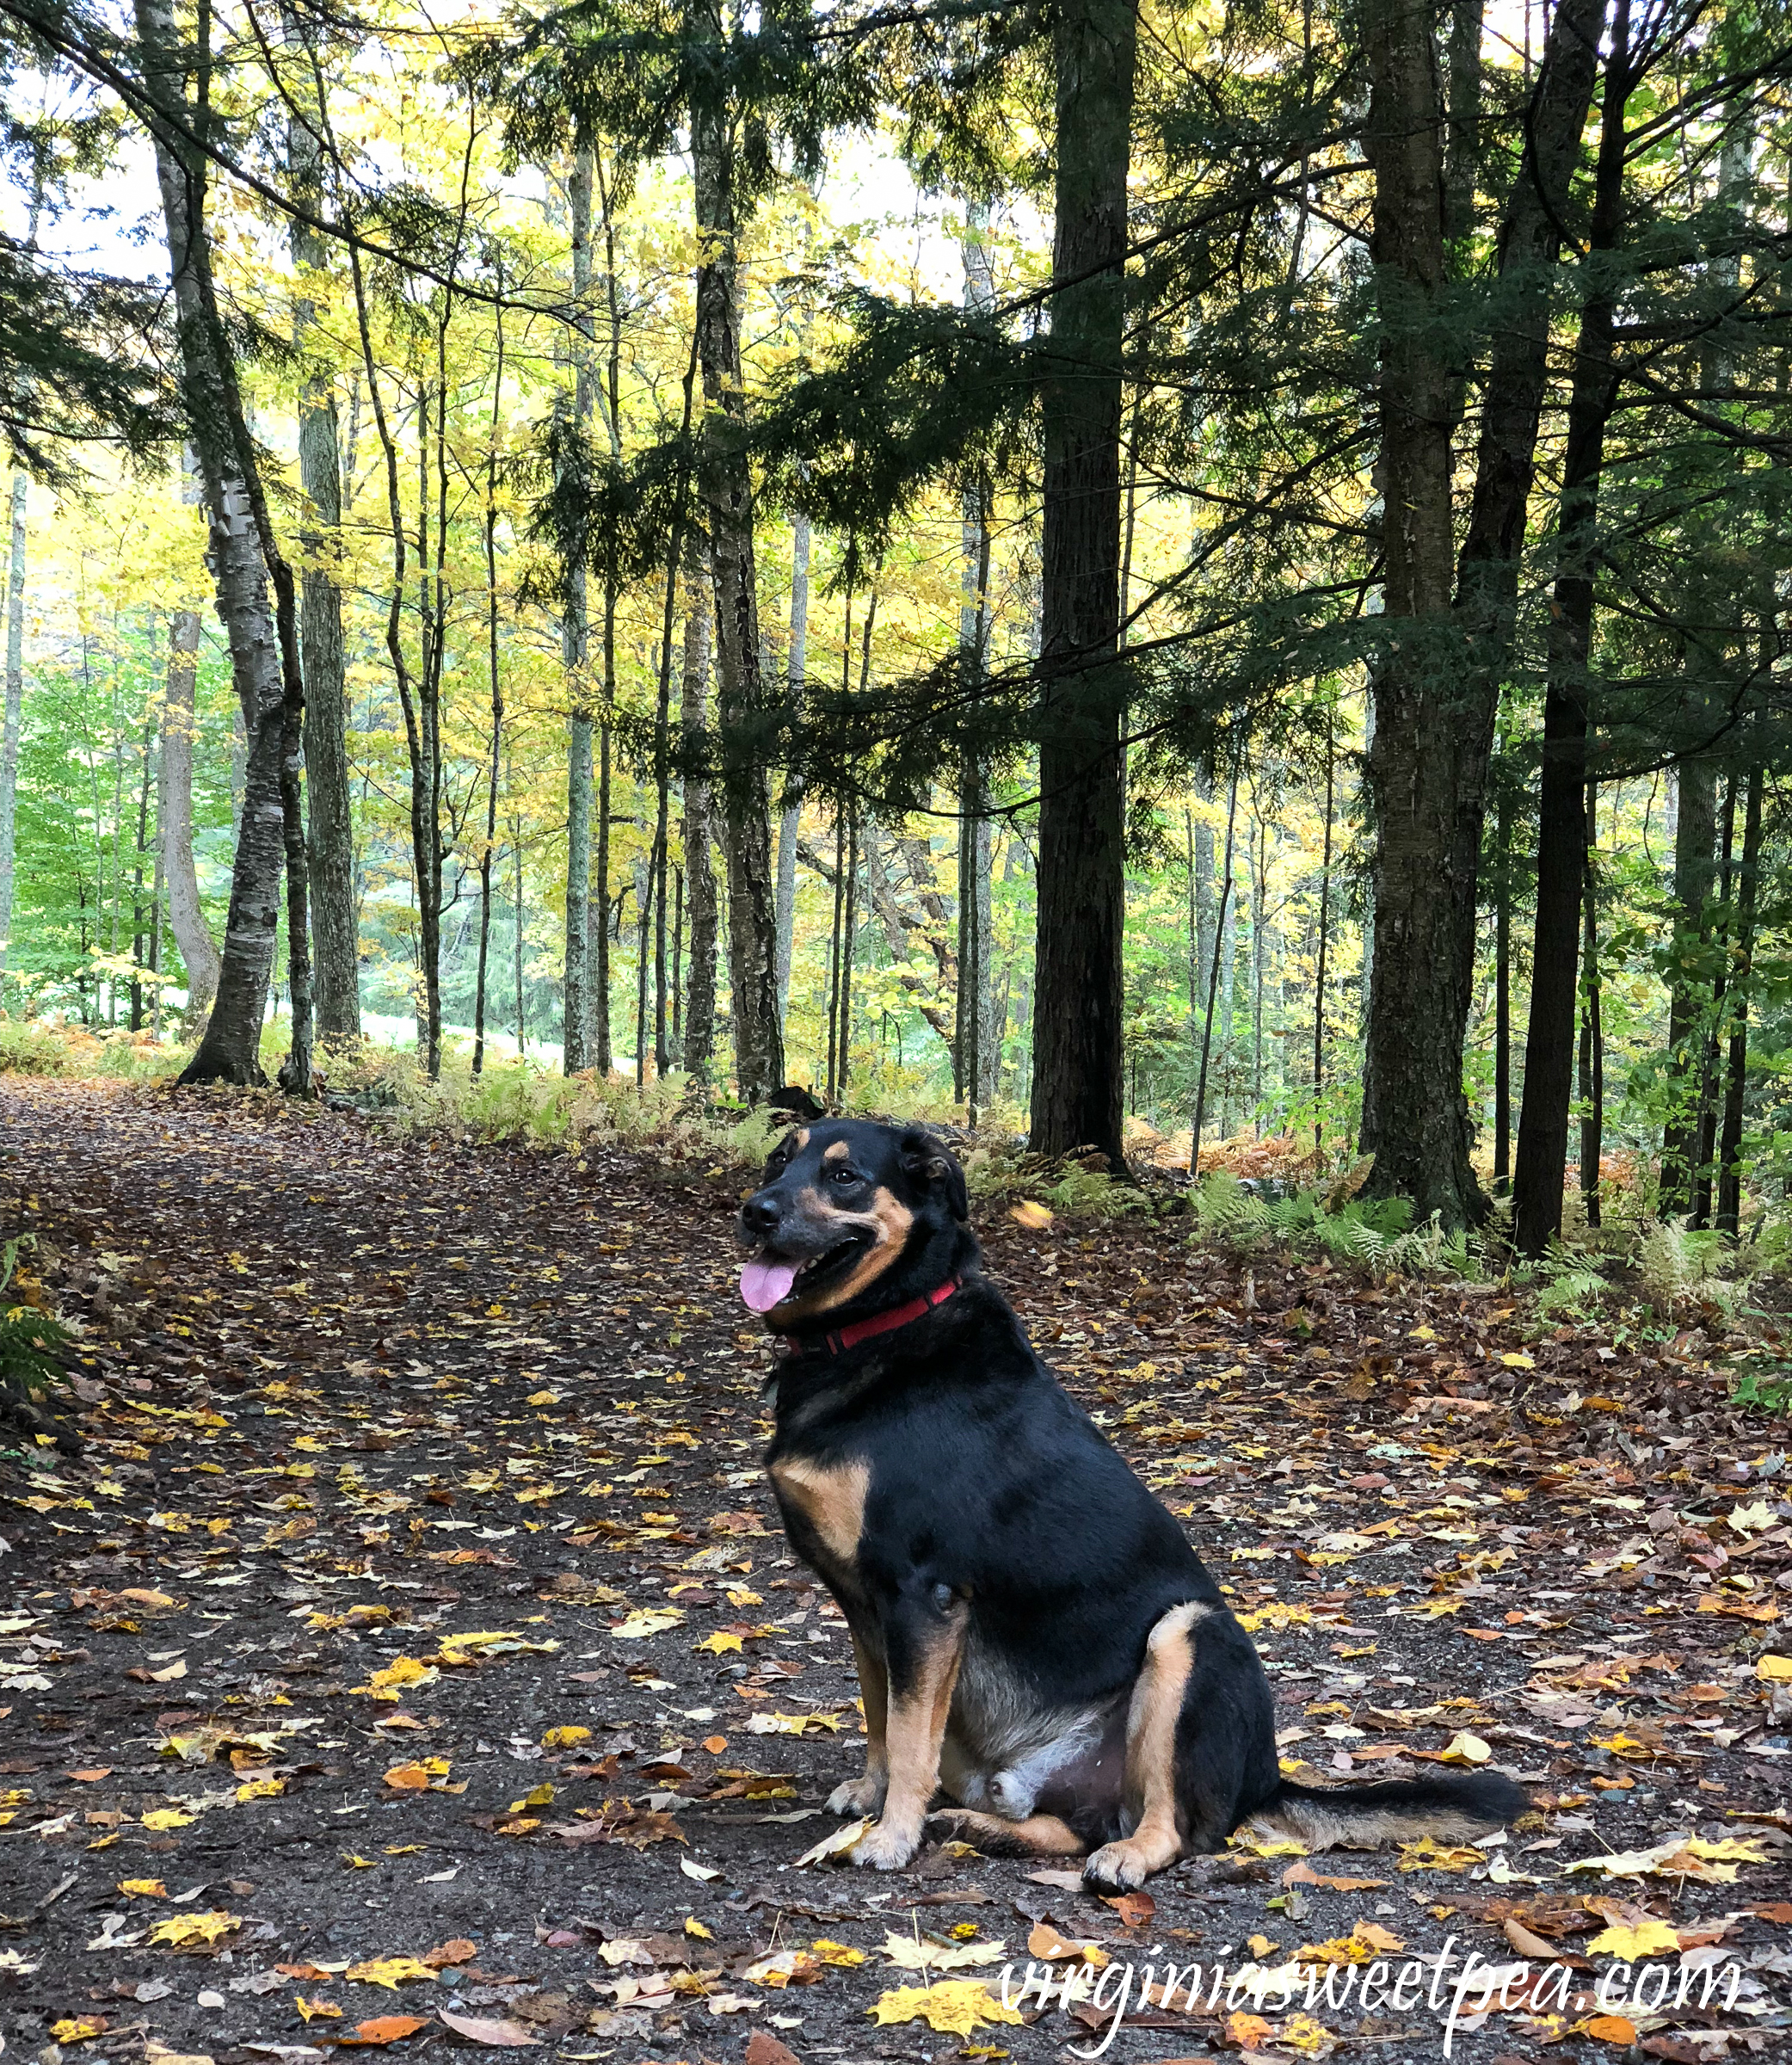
[{"x": 412, "y": 1657}]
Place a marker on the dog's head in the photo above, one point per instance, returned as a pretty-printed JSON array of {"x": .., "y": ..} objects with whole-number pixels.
[{"x": 851, "y": 1214}]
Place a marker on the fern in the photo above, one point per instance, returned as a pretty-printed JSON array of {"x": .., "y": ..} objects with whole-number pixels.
[{"x": 31, "y": 1339}]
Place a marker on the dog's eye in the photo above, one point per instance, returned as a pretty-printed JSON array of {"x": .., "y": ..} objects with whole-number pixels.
[{"x": 843, "y": 1176}]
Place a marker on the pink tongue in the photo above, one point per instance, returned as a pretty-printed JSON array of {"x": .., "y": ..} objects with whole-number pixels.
[{"x": 764, "y": 1285}]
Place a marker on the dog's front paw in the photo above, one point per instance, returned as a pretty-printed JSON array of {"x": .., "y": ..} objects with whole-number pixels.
[
  {"x": 884, "y": 1848},
  {"x": 857, "y": 1797},
  {"x": 1120, "y": 1867}
]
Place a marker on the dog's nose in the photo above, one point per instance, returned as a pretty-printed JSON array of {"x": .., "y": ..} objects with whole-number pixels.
[{"x": 760, "y": 1214}]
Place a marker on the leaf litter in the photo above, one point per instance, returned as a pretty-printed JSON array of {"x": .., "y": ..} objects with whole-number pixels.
[{"x": 401, "y": 1446}]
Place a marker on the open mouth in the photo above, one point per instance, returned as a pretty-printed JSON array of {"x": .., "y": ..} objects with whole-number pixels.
[{"x": 768, "y": 1280}]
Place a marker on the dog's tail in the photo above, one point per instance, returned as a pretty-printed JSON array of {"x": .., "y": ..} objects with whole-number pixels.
[{"x": 1359, "y": 1817}]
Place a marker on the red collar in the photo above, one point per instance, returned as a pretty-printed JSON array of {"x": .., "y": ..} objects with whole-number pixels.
[{"x": 887, "y": 1323}]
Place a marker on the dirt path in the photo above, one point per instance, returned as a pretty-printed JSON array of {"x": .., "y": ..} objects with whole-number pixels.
[{"x": 417, "y": 1598}]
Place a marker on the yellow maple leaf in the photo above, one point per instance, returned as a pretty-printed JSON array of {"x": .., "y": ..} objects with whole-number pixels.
[
  {"x": 540, "y": 1796},
  {"x": 163, "y": 1818},
  {"x": 956, "y": 2006},
  {"x": 385, "y": 1683},
  {"x": 830, "y": 1952},
  {"x": 143, "y": 1888},
  {"x": 77, "y": 2029},
  {"x": 1773, "y": 1666},
  {"x": 389, "y": 1972},
  {"x": 1301, "y": 2032},
  {"x": 310, "y": 2008},
  {"x": 1425, "y": 1855},
  {"x": 568, "y": 1737},
  {"x": 260, "y": 1789},
  {"x": 1634, "y": 1940},
  {"x": 1036, "y": 1218},
  {"x": 636, "y": 1627},
  {"x": 720, "y": 1644},
  {"x": 184, "y": 1931}
]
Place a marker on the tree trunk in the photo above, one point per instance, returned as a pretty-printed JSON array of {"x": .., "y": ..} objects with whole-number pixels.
[
  {"x": 1503, "y": 999},
  {"x": 1542, "y": 1162},
  {"x": 1711, "y": 1060},
  {"x": 1213, "y": 981},
  {"x": 693, "y": 716},
  {"x": 1415, "y": 1116},
  {"x": 1729, "y": 1148},
  {"x": 330, "y": 844},
  {"x": 1694, "y": 869},
  {"x": 1592, "y": 1059},
  {"x": 791, "y": 822},
  {"x": 15, "y": 707},
  {"x": 726, "y": 488},
  {"x": 1319, "y": 978},
  {"x": 599, "y": 961},
  {"x": 975, "y": 1052},
  {"x": 1079, "y": 1046},
  {"x": 1464, "y": 149},
  {"x": 229, "y": 1049},
  {"x": 174, "y": 818},
  {"x": 1431, "y": 738},
  {"x": 575, "y": 643},
  {"x": 487, "y": 846}
]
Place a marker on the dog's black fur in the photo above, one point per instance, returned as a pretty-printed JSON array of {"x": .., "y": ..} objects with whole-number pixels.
[{"x": 1033, "y": 1630}]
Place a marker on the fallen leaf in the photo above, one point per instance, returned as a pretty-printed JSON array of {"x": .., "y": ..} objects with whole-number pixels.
[
  {"x": 389, "y": 1972},
  {"x": 1248, "y": 2032},
  {"x": 1135, "y": 1909},
  {"x": 1045, "y": 1941},
  {"x": 909, "y": 1954},
  {"x": 382, "y": 2029},
  {"x": 1610, "y": 2029},
  {"x": 1633, "y": 1941},
  {"x": 500, "y": 2035},
  {"x": 956, "y": 2006},
  {"x": 835, "y": 1846},
  {"x": 764, "y": 2049},
  {"x": 190, "y": 1932},
  {"x": 456, "y": 1951}
]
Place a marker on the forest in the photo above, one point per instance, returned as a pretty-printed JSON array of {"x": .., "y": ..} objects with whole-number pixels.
[{"x": 1197, "y": 578}]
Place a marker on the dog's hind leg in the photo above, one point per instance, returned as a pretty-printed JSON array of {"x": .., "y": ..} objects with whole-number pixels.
[
  {"x": 1151, "y": 1725},
  {"x": 1038, "y": 1835}
]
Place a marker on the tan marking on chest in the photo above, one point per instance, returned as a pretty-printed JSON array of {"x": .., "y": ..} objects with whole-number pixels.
[{"x": 831, "y": 1498}]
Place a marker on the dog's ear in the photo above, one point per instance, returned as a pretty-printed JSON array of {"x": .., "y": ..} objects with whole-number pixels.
[{"x": 926, "y": 1161}]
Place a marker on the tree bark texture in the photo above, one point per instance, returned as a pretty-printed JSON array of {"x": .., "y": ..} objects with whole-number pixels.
[
  {"x": 174, "y": 818},
  {"x": 1432, "y": 739},
  {"x": 790, "y": 821},
  {"x": 1694, "y": 874},
  {"x": 1540, "y": 1166},
  {"x": 699, "y": 873},
  {"x": 229, "y": 1049},
  {"x": 14, "y": 709},
  {"x": 1415, "y": 1113},
  {"x": 726, "y": 488},
  {"x": 1728, "y": 1219},
  {"x": 1078, "y": 1032},
  {"x": 977, "y": 1051},
  {"x": 330, "y": 842},
  {"x": 574, "y": 652}
]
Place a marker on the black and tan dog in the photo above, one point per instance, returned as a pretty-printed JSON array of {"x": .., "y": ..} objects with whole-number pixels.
[{"x": 1034, "y": 1635}]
